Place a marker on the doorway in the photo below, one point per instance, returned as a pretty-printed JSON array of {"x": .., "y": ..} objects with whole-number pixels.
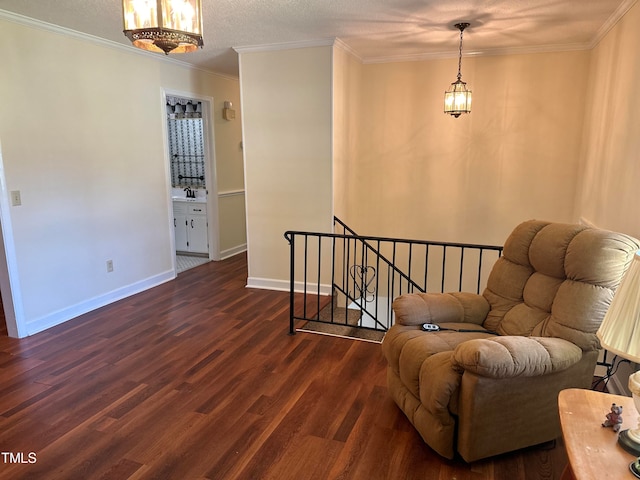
[{"x": 191, "y": 168}]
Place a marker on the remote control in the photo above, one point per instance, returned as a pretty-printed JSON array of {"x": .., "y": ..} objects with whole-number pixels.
[{"x": 430, "y": 327}]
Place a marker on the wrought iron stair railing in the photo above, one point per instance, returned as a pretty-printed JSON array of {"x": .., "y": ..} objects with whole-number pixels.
[{"x": 349, "y": 280}]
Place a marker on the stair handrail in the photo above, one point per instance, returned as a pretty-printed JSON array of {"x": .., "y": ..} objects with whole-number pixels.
[
  {"x": 380, "y": 255},
  {"x": 367, "y": 241}
]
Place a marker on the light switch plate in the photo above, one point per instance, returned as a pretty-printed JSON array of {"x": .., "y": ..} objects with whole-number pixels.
[{"x": 15, "y": 198}]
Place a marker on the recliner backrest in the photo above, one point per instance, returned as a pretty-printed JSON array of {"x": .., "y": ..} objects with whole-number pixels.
[{"x": 556, "y": 280}]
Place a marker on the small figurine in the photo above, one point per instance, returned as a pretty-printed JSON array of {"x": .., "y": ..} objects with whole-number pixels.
[{"x": 614, "y": 418}]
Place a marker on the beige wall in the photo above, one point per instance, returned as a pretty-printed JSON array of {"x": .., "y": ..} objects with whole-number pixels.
[
  {"x": 233, "y": 221},
  {"x": 611, "y": 144},
  {"x": 287, "y": 128},
  {"x": 229, "y": 168},
  {"x": 422, "y": 174},
  {"x": 401, "y": 167},
  {"x": 347, "y": 81},
  {"x": 610, "y": 173},
  {"x": 82, "y": 140}
]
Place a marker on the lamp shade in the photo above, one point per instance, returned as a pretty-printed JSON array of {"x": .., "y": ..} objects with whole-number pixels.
[
  {"x": 457, "y": 100},
  {"x": 619, "y": 332},
  {"x": 163, "y": 25}
]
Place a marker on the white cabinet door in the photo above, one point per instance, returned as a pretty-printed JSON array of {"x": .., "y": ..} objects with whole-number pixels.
[
  {"x": 180, "y": 226},
  {"x": 198, "y": 238}
]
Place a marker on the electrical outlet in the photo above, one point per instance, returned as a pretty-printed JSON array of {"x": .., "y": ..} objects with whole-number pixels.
[
  {"x": 109, "y": 265},
  {"x": 15, "y": 198}
]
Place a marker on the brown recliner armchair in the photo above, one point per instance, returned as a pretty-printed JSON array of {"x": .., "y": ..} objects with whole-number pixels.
[{"x": 494, "y": 389}]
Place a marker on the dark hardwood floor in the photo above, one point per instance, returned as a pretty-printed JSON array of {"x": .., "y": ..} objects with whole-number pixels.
[{"x": 198, "y": 379}]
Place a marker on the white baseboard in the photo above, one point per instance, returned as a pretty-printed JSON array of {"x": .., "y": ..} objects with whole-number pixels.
[
  {"x": 61, "y": 316},
  {"x": 284, "y": 285},
  {"x": 230, "y": 252}
]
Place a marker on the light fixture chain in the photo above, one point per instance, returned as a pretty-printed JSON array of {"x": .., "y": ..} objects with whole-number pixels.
[
  {"x": 461, "y": 27},
  {"x": 460, "y": 53}
]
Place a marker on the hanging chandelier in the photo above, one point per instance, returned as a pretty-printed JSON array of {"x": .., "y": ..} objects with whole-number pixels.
[
  {"x": 163, "y": 25},
  {"x": 457, "y": 99}
]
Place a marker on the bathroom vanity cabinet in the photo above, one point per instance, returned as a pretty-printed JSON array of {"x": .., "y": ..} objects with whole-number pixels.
[{"x": 190, "y": 223}]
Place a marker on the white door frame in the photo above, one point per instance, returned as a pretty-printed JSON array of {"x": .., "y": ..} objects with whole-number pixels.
[
  {"x": 209, "y": 171},
  {"x": 9, "y": 280}
]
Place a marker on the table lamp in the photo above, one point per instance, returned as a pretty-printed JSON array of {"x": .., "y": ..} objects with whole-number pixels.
[{"x": 619, "y": 333}]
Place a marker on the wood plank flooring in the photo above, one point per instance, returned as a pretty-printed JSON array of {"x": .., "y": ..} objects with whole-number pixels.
[{"x": 198, "y": 379}]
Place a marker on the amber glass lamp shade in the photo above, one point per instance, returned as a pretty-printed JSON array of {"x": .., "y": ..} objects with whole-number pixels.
[{"x": 163, "y": 25}]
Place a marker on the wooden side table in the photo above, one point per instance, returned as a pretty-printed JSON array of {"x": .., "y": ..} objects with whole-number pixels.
[{"x": 593, "y": 450}]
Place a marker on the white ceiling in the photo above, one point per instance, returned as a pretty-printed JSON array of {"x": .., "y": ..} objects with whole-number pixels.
[{"x": 374, "y": 30}]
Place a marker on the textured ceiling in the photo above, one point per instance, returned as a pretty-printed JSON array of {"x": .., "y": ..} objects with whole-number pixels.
[{"x": 375, "y": 30}]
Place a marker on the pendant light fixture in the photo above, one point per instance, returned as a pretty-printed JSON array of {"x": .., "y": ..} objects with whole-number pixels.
[
  {"x": 163, "y": 25},
  {"x": 457, "y": 99}
]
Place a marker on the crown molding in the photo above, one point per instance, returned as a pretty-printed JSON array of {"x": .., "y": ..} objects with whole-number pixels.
[
  {"x": 50, "y": 27},
  {"x": 86, "y": 37},
  {"x": 324, "y": 42},
  {"x": 611, "y": 22},
  {"x": 270, "y": 47},
  {"x": 343, "y": 46},
  {"x": 480, "y": 53}
]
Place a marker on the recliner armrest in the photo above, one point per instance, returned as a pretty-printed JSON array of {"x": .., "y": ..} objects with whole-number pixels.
[
  {"x": 514, "y": 356},
  {"x": 456, "y": 307}
]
